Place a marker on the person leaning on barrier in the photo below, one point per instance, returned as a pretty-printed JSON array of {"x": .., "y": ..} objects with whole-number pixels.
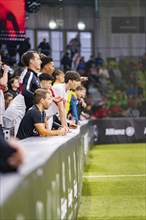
[
  {"x": 11, "y": 155},
  {"x": 46, "y": 81},
  {"x": 34, "y": 123},
  {"x": 47, "y": 66},
  {"x": 72, "y": 80}
]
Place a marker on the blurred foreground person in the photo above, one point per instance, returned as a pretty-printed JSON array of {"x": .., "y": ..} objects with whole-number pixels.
[
  {"x": 11, "y": 155},
  {"x": 4, "y": 69}
]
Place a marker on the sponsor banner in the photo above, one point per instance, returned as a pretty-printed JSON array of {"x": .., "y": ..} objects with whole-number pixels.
[
  {"x": 128, "y": 25},
  {"x": 119, "y": 130}
]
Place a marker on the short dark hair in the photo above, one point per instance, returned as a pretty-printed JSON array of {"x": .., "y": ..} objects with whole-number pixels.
[
  {"x": 40, "y": 94},
  {"x": 8, "y": 94},
  {"x": 72, "y": 75},
  {"x": 46, "y": 77},
  {"x": 27, "y": 56},
  {"x": 45, "y": 60},
  {"x": 57, "y": 73}
]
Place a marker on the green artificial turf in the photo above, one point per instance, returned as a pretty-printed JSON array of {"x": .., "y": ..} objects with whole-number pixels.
[{"x": 114, "y": 184}]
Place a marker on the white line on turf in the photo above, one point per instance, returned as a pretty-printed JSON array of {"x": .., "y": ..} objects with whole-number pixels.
[{"x": 116, "y": 176}]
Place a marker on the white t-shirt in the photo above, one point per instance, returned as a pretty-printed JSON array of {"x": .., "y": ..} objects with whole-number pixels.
[
  {"x": 60, "y": 90},
  {"x": 16, "y": 108},
  {"x": 52, "y": 110},
  {"x": 2, "y": 106}
]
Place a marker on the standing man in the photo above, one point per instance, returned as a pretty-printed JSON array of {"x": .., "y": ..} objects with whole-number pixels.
[
  {"x": 44, "y": 47},
  {"x": 31, "y": 60},
  {"x": 47, "y": 65}
]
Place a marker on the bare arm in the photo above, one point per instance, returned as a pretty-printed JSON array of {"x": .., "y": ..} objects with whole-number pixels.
[
  {"x": 45, "y": 132},
  {"x": 4, "y": 78},
  {"x": 62, "y": 114}
]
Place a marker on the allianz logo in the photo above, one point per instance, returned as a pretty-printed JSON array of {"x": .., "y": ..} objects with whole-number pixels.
[{"x": 129, "y": 131}]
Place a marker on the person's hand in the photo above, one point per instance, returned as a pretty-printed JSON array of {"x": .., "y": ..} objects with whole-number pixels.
[
  {"x": 6, "y": 68},
  {"x": 83, "y": 103},
  {"x": 72, "y": 125},
  {"x": 17, "y": 157},
  {"x": 62, "y": 131},
  {"x": 83, "y": 78},
  {"x": 4, "y": 78}
]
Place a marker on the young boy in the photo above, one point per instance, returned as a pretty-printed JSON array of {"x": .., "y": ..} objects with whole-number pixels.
[{"x": 58, "y": 77}]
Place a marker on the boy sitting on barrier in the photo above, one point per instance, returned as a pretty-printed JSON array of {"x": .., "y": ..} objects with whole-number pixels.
[{"x": 34, "y": 123}]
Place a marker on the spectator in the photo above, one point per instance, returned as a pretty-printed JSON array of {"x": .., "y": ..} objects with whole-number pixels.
[
  {"x": 89, "y": 64},
  {"x": 47, "y": 65},
  {"x": 81, "y": 67},
  {"x": 11, "y": 155},
  {"x": 12, "y": 51},
  {"x": 23, "y": 47},
  {"x": 75, "y": 99},
  {"x": 34, "y": 122},
  {"x": 99, "y": 60},
  {"x": 103, "y": 79},
  {"x": 58, "y": 76},
  {"x": 46, "y": 81},
  {"x": 16, "y": 110},
  {"x": 66, "y": 62},
  {"x": 31, "y": 60},
  {"x": 74, "y": 45},
  {"x": 14, "y": 113},
  {"x": 72, "y": 79},
  {"x": 13, "y": 86},
  {"x": 8, "y": 99},
  {"x": 131, "y": 90},
  {"x": 44, "y": 47}
]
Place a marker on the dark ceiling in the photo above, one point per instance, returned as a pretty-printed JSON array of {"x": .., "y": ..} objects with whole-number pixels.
[
  {"x": 92, "y": 3},
  {"x": 89, "y": 3}
]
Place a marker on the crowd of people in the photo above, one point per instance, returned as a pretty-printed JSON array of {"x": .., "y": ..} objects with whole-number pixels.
[
  {"x": 36, "y": 103},
  {"x": 39, "y": 100}
]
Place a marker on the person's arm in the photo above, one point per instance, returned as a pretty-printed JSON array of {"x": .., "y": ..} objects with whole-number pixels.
[
  {"x": 27, "y": 85},
  {"x": 83, "y": 78},
  {"x": 62, "y": 114},
  {"x": 45, "y": 132},
  {"x": 58, "y": 91},
  {"x": 4, "y": 78}
]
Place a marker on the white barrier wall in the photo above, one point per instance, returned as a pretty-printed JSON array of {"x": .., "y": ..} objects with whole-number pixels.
[{"x": 49, "y": 184}]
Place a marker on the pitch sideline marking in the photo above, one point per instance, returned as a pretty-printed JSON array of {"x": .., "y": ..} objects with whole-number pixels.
[{"x": 116, "y": 176}]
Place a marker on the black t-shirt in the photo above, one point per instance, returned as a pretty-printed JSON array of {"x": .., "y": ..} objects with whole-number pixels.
[
  {"x": 13, "y": 92},
  {"x": 32, "y": 117}
]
